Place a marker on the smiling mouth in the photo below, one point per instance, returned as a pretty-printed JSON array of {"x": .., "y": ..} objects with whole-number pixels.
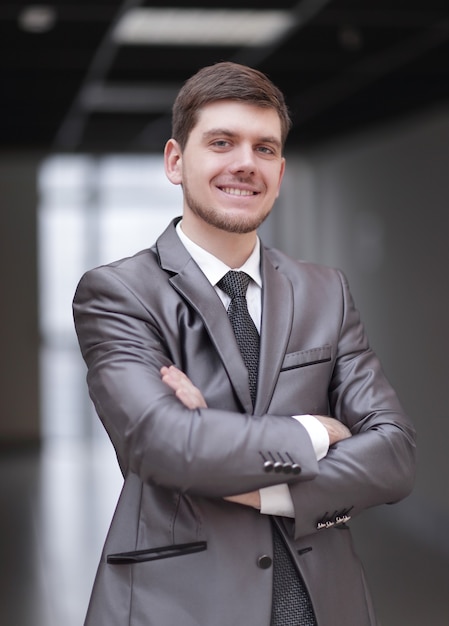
[{"x": 232, "y": 191}]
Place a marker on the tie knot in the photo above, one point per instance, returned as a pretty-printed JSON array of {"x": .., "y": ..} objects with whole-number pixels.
[{"x": 234, "y": 283}]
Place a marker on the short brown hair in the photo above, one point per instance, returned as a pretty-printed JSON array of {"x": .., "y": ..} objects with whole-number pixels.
[{"x": 225, "y": 81}]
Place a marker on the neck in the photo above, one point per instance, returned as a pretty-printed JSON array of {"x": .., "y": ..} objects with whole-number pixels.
[{"x": 231, "y": 248}]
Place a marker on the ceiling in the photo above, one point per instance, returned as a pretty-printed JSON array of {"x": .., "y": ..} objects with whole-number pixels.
[{"x": 343, "y": 65}]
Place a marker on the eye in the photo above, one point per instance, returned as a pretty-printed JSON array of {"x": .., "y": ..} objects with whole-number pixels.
[
  {"x": 220, "y": 143},
  {"x": 267, "y": 150}
]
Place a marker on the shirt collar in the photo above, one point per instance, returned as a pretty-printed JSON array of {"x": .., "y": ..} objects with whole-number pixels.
[{"x": 213, "y": 268}]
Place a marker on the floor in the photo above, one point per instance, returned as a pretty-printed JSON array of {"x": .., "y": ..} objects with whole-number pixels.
[{"x": 56, "y": 506}]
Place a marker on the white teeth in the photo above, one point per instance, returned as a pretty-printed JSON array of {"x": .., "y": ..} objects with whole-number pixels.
[{"x": 237, "y": 192}]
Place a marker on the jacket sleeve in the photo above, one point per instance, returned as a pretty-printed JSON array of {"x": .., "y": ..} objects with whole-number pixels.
[
  {"x": 377, "y": 464},
  {"x": 209, "y": 452}
]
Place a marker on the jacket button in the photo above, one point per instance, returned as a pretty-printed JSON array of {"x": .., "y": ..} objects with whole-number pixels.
[{"x": 264, "y": 561}]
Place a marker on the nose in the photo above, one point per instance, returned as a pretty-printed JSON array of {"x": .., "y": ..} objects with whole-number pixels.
[{"x": 244, "y": 161}]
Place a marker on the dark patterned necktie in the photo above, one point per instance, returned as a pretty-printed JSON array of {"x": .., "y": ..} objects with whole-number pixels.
[
  {"x": 235, "y": 285},
  {"x": 291, "y": 604}
]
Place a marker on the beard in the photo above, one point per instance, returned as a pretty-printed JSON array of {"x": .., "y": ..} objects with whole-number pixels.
[{"x": 223, "y": 220}]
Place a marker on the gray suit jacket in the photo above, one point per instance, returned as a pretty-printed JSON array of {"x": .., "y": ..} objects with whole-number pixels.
[{"x": 176, "y": 552}]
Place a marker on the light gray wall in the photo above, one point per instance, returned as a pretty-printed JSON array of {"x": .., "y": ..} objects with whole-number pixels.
[{"x": 376, "y": 205}]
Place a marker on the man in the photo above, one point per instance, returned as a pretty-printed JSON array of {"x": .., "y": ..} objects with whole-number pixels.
[{"x": 242, "y": 464}]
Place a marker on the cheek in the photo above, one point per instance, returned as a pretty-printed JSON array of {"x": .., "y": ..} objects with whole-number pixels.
[
  {"x": 201, "y": 175},
  {"x": 274, "y": 185}
]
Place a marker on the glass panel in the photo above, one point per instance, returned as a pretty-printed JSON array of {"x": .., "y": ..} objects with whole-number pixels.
[
  {"x": 62, "y": 252},
  {"x": 92, "y": 211}
]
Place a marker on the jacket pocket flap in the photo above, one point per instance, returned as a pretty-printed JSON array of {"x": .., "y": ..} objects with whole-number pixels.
[
  {"x": 155, "y": 554},
  {"x": 306, "y": 357}
]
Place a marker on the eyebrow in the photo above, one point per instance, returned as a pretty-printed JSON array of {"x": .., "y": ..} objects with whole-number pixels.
[{"x": 214, "y": 132}]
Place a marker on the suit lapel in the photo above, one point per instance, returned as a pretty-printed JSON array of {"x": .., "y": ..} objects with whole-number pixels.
[
  {"x": 277, "y": 316},
  {"x": 190, "y": 282}
]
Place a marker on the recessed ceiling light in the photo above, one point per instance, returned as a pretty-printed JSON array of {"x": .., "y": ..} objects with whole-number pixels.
[
  {"x": 200, "y": 27},
  {"x": 37, "y": 18},
  {"x": 350, "y": 38}
]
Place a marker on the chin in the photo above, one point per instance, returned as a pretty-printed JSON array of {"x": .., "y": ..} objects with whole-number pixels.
[
  {"x": 238, "y": 224},
  {"x": 231, "y": 220}
]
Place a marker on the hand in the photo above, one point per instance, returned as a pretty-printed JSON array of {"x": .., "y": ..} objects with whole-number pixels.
[
  {"x": 186, "y": 392},
  {"x": 192, "y": 398},
  {"x": 335, "y": 429}
]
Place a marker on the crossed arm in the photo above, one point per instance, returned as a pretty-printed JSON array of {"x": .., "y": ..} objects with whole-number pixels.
[{"x": 192, "y": 398}]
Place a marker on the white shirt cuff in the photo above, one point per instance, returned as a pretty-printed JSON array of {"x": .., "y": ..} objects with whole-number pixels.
[
  {"x": 317, "y": 433},
  {"x": 276, "y": 500}
]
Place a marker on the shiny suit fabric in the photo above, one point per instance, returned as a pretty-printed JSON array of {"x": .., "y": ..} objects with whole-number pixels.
[{"x": 176, "y": 552}]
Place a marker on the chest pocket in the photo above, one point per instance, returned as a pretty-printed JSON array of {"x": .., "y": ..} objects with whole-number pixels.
[{"x": 306, "y": 357}]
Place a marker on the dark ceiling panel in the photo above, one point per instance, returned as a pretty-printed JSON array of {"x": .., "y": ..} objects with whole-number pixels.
[{"x": 347, "y": 65}]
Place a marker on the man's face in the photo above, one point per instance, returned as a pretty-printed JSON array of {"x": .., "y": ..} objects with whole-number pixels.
[{"x": 232, "y": 166}]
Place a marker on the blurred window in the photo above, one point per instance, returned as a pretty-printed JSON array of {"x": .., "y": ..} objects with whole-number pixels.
[{"x": 91, "y": 211}]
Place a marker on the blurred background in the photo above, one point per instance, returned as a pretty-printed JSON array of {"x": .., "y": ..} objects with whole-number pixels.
[{"x": 86, "y": 93}]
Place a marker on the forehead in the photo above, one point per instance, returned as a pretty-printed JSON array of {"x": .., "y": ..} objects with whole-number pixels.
[{"x": 239, "y": 118}]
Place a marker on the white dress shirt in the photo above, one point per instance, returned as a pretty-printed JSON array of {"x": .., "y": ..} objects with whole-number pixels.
[{"x": 275, "y": 500}]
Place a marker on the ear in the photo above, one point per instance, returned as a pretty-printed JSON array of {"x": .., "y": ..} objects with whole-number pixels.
[{"x": 173, "y": 162}]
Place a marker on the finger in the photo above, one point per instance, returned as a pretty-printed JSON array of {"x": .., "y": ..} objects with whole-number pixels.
[
  {"x": 186, "y": 392},
  {"x": 191, "y": 398},
  {"x": 172, "y": 376},
  {"x": 170, "y": 383}
]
